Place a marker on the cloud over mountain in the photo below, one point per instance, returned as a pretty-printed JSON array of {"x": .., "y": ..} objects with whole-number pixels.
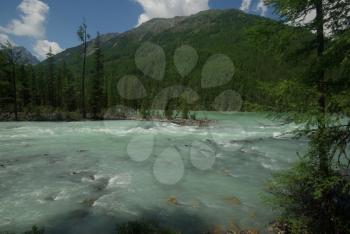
[
  {"x": 4, "y": 39},
  {"x": 42, "y": 48},
  {"x": 170, "y": 8},
  {"x": 245, "y": 6},
  {"x": 261, "y": 8},
  {"x": 31, "y": 23}
]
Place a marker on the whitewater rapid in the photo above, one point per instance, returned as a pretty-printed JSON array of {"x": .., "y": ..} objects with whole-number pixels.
[{"x": 85, "y": 177}]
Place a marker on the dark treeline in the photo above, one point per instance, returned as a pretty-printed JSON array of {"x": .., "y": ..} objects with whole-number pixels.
[{"x": 47, "y": 88}]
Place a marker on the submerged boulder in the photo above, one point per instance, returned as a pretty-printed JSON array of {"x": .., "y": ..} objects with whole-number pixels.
[
  {"x": 89, "y": 202},
  {"x": 234, "y": 201},
  {"x": 173, "y": 201}
]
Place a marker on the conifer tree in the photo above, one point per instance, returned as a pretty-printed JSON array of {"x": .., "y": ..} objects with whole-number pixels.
[
  {"x": 51, "y": 79},
  {"x": 84, "y": 37},
  {"x": 5, "y": 84},
  {"x": 42, "y": 86},
  {"x": 34, "y": 87},
  {"x": 59, "y": 86},
  {"x": 25, "y": 86},
  {"x": 11, "y": 59},
  {"x": 68, "y": 89},
  {"x": 313, "y": 193},
  {"x": 97, "y": 97}
]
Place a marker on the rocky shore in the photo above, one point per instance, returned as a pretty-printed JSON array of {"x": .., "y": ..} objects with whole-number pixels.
[{"x": 74, "y": 116}]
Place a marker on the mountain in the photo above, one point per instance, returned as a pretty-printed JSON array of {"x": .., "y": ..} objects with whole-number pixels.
[
  {"x": 229, "y": 32},
  {"x": 25, "y": 57}
]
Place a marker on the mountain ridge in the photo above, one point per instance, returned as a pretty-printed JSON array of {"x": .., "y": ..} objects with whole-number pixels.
[
  {"x": 24, "y": 56},
  {"x": 209, "y": 32},
  {"x": 158, "y": 25}
]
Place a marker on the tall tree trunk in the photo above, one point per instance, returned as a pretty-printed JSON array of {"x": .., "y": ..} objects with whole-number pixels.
[
  {"x": 322, "y": 148},
  {"x": 83, "y": 79},
  {"x": 13, "y": 74}
]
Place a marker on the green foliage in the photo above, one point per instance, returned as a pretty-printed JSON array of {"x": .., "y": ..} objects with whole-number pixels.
[
  {"x": 212, "y": 32},
  {"x": 311, "y": 203},
  {"x": 83, "y": 37},
  {"x": 11, "y": 59},
  {"x": 34, "y": 230},
  {"x": 25, "y": 94},
  {"x": 185, "y": 111},
  {"x": 141, "y": 228},
  {"x": 97, "y": 99},
  {"x": 34, "y": 87},
  {"x": 266, "y": 55},
  {"x": 69, "y": 95},
  {"x": 51, "y": 91},
  {"x": 193, "y": 116},
  {"x": 315, "y": 194},
  {"x": 145, "y": 110},
  {"x": 59, "y": 81},
  {"x": 169, "y": 110}
]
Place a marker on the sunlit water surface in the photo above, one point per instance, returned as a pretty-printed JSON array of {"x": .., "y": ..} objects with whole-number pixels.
[{"x": 85, "y": 177}]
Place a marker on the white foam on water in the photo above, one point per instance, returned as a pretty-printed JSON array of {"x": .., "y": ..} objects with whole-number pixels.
[
  {"x": 231, "y": 146},
  {"x": 211, "y": 205},
  {"x": 111, "y": 204},
  {"x": 87, "y": 180},
  {"x": 45, "y": 131},
  {"x": 63, "y": 195},
  {"x": 100, "y": 176},
  {"x": 268, "y": 166},
  {"x": 121, "y": 180},
  {"x": 94, "y": 130},
  {"x": 19, "y": 136},
  {"x": 5, "y": 222},
  {"x": 219, "y": 155}
]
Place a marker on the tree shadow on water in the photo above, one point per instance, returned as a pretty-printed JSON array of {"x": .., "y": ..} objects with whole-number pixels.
[{"x": 85, "y": 221}]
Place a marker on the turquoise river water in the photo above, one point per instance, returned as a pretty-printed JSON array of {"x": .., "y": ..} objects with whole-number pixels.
[{"x": 86, "y": 177}]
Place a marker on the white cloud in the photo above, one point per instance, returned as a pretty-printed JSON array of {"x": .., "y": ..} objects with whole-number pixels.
[
  {"x": 5, "y": 38},
  {"x": 31, "y": 21},
  {"x": 42, "y": 48},
  {"x": 170, "y": 8},
  {"x": 309, "y": 18},
  {"x": 245, "y": 6},
  {"x": 262, "y": 8},
  {"x": 306, "y": 19}
]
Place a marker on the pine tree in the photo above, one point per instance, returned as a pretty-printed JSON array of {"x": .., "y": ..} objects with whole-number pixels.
[
  {"x": 42, "y": 86},
  {"x": 51, "y": 79},
  {"x": 185, "y": 110},
  {"x": 83, "y": 36},
  {"x": 68, "y": 90},
  {"x": 169, "y": 110},
  {"x": 24, "y": 91},
  {"x": 97, "y": 96},
  {"x": 310, "y": 193},
  {"x": 11, "y": 59},
  {"x": 5, "y": 84},
  {"x": 34, "y": 90},
  {"x": 59, "y": 86}
]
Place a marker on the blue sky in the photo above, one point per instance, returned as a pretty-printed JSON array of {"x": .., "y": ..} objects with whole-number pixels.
[{"x": 40, "y": 24}]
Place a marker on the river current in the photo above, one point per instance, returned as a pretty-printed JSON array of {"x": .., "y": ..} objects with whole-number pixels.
[{"x": 86, "y": 177}]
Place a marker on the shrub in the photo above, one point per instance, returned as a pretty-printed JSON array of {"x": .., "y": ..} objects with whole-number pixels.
[
  {"x": 311, "y": 203},
  {"x": 142, "y": 227}
]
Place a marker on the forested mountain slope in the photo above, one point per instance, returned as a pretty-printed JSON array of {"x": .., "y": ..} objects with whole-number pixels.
[
  {"x": 228, "y": 32},
  {"x": 245, "y": 39}
]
